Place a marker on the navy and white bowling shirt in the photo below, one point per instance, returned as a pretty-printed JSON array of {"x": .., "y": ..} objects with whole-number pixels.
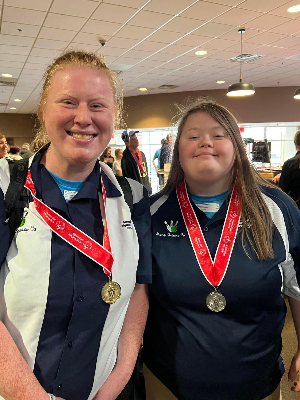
[{"x": 50, "y": 296}]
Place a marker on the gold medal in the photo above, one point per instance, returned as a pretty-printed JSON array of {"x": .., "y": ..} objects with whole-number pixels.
[{"x": 111, "y": 292}]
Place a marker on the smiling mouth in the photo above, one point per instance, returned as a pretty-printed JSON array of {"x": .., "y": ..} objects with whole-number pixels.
[{"x": 81, "y": 135}]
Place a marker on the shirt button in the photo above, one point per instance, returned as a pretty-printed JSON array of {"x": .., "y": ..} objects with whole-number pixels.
[
  {"x": 79, "y": 298},
  {"x": 59, "y": 386},
  {"x": 70, "y": 344},
  {"x": 205, "y": 229}
]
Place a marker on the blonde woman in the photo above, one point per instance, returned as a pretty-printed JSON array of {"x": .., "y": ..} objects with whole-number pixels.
[
  {"x": 117, "y": 169},
  {"x": 225, "y": 242}
]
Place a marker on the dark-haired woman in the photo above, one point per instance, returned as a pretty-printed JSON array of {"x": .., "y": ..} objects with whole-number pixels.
[
  {"x": 225, "y": 244},
  {"x": 290, "y": 175},
  {"x": 107, "y": 158}
]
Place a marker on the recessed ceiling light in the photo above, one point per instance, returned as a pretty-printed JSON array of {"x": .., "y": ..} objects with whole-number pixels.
[
  {"x": 201, "y": 53},
  {"x": 7, "y": 75},
  {"x": 18, "y": 100},
  {"x": 220, "y": 82},
  {"x": 12, "y": 108},
  {"x": 294, "y": 9},
  {"x": 143, "y": 89}
]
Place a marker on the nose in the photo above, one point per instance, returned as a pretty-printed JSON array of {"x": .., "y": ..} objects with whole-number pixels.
[
  {"x": 83, "y": 115},
  {"x": 206, "y": 141}
]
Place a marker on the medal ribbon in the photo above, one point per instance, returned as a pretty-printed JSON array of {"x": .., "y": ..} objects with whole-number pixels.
[
  {"x": 215, "y": 271},
  {"x": 139, "y": 160},
  {"x": 75, "y": 237}
]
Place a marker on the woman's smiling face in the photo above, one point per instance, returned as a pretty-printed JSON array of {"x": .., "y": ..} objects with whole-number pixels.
[{"x": 79, "y": 115}]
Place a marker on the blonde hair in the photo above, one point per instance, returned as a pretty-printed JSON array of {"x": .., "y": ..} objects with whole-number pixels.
[
  {"x": 117, "y": 151},
  {"x": 80, "y": 59},
  {"x": 255, "y": 215}
]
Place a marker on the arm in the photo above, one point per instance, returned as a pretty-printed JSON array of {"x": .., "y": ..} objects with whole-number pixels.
[
  {"x": 295, "y": 364},
  {"x": 154, "y": 165},
  {"x": 17, "y": 381},
  {"x": 130, "y": 341},
  {"x": 119, "y": 172},
  {"x": 285, "y": 178}
]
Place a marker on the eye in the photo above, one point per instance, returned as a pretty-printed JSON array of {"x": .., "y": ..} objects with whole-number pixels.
[
  {"x": 96, "y": 106},
  {"x": 68, "y": 102}
]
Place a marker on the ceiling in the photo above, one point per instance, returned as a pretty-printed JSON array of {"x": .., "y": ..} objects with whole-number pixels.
[{"x": 152, "y": 42}]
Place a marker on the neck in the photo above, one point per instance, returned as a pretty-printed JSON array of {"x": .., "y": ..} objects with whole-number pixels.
[
  {"x": 207, "y": 188},
  {"x": 64, "y": 169},
  {"x": 134, "y": 149}
]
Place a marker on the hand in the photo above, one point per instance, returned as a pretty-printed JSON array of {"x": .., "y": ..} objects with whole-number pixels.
[
  {"x": 276, "y": 178},
  {"x": 294, "y": 370}
]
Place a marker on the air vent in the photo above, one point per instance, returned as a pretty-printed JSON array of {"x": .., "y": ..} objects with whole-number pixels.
[
  {"x": 245, "y": 57},
  {"x": 3, "y": 104},
  {"x": 168, "y": 87},
  {"x": 6, "y": 83}
]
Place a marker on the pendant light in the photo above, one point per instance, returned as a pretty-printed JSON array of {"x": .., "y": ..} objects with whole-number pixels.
[
  {"x": 240, "y": 89},
  {"x": 297, "y": 94}
]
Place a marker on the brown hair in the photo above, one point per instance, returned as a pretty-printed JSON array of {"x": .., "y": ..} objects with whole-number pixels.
[
  {"x": 80, "y": 59},
  {"x": 254, "y": 208},
  {"x": 297, "y": 143},
  {"x": 2, "y": 136}
]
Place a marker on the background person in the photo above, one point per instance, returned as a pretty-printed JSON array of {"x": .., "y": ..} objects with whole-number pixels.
[
  {"x": 157, "y": 167},
  {"x": 167, "y": 151},
  {"x": 289, "y": 180},
  {"x": 134, "y": 163},
  {"x": 117, "y": 169},
  {"x": 25, "y": 151},
  {"x": 3, "y": 146},
  {"x": 64, "y": 329},
  {"x": 14, "y": 153},
  {"x": 107, "y": 158},
  {"x": 216, "y": 317}
]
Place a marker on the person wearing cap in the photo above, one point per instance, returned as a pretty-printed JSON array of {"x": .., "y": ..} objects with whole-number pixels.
[{"x": 134, "y": 164}]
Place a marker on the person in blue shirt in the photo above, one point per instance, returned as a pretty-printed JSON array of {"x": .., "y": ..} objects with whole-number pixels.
[
  {"x": 226, "y": 244},
  {"x": 157, "y": 167},
  {"x": 73, "y": 281}
]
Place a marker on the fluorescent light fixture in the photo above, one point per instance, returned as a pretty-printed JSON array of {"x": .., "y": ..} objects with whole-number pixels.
[
  {"x": 12, "y": 108},
  {"x": 294, "y": 9},
  {"x": 7, "y": 75},
  {"x": 297, "y": 94},
  {"x": 201, "y": 53},
  {"x": 143, "y": 89},
  {"x": 220, "y": 82},
  {"x": 17, "y": 100}
]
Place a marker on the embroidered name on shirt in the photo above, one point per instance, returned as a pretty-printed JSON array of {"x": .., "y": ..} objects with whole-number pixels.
[{"x": 170, "y": 235}]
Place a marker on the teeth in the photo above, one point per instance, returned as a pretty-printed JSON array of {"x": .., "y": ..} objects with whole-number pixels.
[{"x": 81, "y": 136}]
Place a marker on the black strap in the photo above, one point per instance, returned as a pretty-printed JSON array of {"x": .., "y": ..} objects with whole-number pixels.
[
  {"x": 16, "y": 197},
  {"x": 126, "y": 188}
]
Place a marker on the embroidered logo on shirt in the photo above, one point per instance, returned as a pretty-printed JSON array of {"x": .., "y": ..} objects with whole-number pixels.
[
  {"x": 23, "y": 219},
  {"x": 126, "y": 224},
  {"x": 171, "y": 228}
]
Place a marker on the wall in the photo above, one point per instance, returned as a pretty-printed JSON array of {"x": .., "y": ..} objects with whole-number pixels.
[
  {"x": 266, "y": 105},
  {"x": 18, "y": 126}
]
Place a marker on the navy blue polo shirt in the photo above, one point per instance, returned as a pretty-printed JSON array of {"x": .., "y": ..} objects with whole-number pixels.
[{"x": 199, "y": 354}]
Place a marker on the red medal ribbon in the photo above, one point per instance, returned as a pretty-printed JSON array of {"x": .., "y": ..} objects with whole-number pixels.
[
  {"x": 75, "y": 237},
  {"x": 139, "y": 160},
  {"x": 215, "y": 271}
]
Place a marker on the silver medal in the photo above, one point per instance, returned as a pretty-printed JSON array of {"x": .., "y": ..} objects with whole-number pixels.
[{"x": 215, "y": 301}]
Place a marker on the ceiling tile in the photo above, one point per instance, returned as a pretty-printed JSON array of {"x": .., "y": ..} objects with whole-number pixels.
[
  {"x": 101, "y": 28},
  {"x": 193, "y": 40},
  {"x": 45, "y": 52},
  {"x": 183, "y": 25},
  {"x": 213, "y": 29},
  {"x": 50, "y": 44},
  {"x": 12, "y": 28},
  {"x": 237, "y": 16},
  {"x": 149, "y": 19},
  {"x": 262, "y": 6},
  {"x": 267, "y": 50},
  {"x": 134, "y": 32},
  {"x": 113, "y": 13},
  {"x": 68, "y": 22},
  {"x": 266, "y": 22},
  {"x": 83, "y": 47},
  {"x": 136, "y": 55},
  {"x": 234, "y": 34},
  {"x": 204, "y": 11},
  {"x": 149, "y": 46},
  {"x": 129, "y": 3},
  {"x": 265, "y": 38},
  {"x": 8, "y": 49},
  {"x": 76, "y": 8},
  {"x": 13, "y": 57},
  {"x": 247, "y": 48},
  {"x": 10, "y": 64},
  {"x": 41, "y": 5},
  {"x": 171, "y": 7},
  {"x": 163, "y": 36},
  {"x": 39, "y": 60},
  {"x": 281, "y": 9},
  {"x": 287, "y": 42},
  {"x": 56, "y": 34},
  {"x": 176, "y": 49},
  {"x": 288, "y": 28},
  {"x": 219, "y": 44},
  {"x": 16, "y": 40},
  {"x": 86, "y": 38},
  {"x": 122, "y": 43},
  {"x": 31, "y": 17},
  {"x": 32, "y": 67},
  {"x": 111, "y": 51}
]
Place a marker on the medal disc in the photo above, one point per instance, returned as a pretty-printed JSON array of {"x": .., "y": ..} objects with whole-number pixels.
[
  {"x": 215, "y": 301},
  {"x": 111, "y": 292}
]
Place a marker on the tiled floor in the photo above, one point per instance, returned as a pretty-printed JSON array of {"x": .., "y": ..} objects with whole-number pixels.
[{"x": 289, "y": 348}]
